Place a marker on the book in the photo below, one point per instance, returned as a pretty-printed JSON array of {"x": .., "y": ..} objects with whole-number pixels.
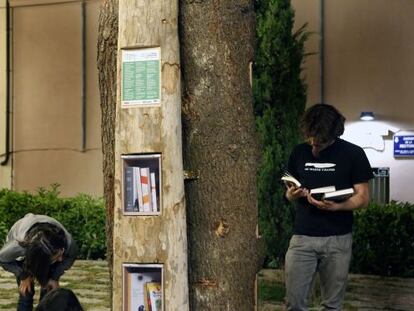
[
  {"x": 153, "y": 296},
  {"x": 146, "y": 189},
  {"x": 319, "y": 193},
  {"x": 339, "y": 195},
  {"x": 289, "y": 179},
  {"x": 153, "y": 194},
  {"x": 323, "y": 189},
  {"x": 129, "y": 200},
  {"x": 138, "y": 189}
]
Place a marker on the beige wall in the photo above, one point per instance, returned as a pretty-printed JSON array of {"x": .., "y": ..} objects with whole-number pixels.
[
  {"x": 308, "y": 12},
  {"x": 47, "y": 131},
  {"x": 5, "y": 171},
  {"x": 369, "y": 66}
]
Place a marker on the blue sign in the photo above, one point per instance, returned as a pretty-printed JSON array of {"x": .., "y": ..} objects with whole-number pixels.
[{"x": 404, "y": 145}]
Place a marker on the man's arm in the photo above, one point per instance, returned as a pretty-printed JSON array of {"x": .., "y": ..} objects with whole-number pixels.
[
  {"x": 8, "y": 255},
  {"x": 68, "y": 259},
  {"x": 360, "y": 199}
]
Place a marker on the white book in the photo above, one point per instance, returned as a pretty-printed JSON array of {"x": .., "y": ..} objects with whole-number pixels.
[
  {"x": 146, "y": 189},
  {"x": 319, "y": 193},
  {"x": 323, "y": 190},
  {"x": 153, "y": 194},
  {"x": 339, "y": 195},
  {"x": 289, "y": 179}
]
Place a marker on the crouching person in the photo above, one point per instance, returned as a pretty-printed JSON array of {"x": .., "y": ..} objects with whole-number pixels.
[{"x": 38, "y": 248}]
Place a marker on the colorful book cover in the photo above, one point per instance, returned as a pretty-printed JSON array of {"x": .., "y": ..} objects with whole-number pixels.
[
  {"x": 146, "y": 189},
  {"x": 154, "y": 296},
  {"x": 138, "y": 188}
]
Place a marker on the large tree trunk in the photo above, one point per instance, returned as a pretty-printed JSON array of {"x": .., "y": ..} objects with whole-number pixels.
[
  {"x": 156, "y": 129},
  {"x": 107, "y": 58},
  {"x": 220, "y": 145}
]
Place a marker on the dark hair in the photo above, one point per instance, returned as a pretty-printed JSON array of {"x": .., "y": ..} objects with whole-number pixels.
[
  {"x": 59, "y": 299},
  {"x": 323, "y": 122},
  {"x": 41, "y": 243}
]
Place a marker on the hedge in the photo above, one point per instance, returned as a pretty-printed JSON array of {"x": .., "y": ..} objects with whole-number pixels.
[
  {"x": 383, "y": 234},
  {"x": 384, "y": 240},
  {"x": 83, "y": 216}
]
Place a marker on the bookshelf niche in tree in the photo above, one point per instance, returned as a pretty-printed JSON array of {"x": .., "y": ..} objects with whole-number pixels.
[
  {"x": 141, "y": 184},
  {"x": 142, "y": 289}
]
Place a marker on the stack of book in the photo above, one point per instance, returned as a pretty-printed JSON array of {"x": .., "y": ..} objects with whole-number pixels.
[
  {"x": 140, "y": 190},
  {"x": 143, "y": 292},
  {"x": 322, "y": 193}
]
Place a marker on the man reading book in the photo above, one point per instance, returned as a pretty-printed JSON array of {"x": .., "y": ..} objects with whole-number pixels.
[{"x": 322, "y": 239}]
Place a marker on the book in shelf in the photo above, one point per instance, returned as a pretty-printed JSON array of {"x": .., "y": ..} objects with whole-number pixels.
[
  {"x": 153, "y": 293},
  {"x": 142, "y": 184},
  {"x": 142, "y": 287}
]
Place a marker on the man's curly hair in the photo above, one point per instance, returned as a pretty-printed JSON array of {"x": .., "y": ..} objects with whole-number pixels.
[
  {"x": 41, "y": 242},
  {"x": 322, "y": 122}
]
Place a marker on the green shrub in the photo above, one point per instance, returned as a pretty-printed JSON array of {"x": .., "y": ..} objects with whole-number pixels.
[
  {"x": 83, "y": 216},
  {"x": 384, "y": 240},
  {"x": 279, "y": 100}
]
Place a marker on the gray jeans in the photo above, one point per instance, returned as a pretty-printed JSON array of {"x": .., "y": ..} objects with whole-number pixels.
[{"x": 330, "y": 256}]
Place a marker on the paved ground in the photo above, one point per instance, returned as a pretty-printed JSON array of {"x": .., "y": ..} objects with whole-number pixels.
[
  {"x": 89, "y": 280},
  {"x": 363, "y": 293}
]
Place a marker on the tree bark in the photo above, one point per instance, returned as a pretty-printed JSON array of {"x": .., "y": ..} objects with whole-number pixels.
[
  {"x": 220, "y": 146},
  {"x": 152, "y": 129},
  {"x": 106, "y": 60}
]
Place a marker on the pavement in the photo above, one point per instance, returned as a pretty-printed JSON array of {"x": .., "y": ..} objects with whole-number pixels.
[
  {"x": 90, "y": 282},
  {"x": 88, "y": 279},
  {"x": 364, "y": 293}
]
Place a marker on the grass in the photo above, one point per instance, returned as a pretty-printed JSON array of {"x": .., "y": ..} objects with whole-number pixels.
[{"x": 271, "y": 291}]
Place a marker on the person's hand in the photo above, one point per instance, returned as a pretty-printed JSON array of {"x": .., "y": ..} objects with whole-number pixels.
[
  {"x": 325, "y": 205},
  {"x": 52, "y": 284},
  {"x": 26, "y": 286},
  {"x": 294, "y": 193}
]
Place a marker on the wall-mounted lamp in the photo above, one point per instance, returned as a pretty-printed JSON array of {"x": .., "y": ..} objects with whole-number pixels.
[{"x": 367, "y": 116}]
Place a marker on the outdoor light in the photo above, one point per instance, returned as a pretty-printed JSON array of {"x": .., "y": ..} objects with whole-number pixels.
[{"x": 367, "y": 116}]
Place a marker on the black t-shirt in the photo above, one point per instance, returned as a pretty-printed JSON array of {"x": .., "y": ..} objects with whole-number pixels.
[{"x": 342, "y": 165}]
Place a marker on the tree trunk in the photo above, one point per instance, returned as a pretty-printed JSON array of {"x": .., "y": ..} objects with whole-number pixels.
[
  {"x": 106, "y": 59},
  {"x": 220, "y": 146},
  {"x": 148, "y": 239}
]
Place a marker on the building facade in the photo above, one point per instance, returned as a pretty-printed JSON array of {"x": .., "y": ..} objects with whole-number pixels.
[
  {"x": 368, "y": 65},
  {"x": 54, "y": 112}
]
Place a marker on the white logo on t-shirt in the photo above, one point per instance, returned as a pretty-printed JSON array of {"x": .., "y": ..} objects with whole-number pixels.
[{"x": 309, "y": 166}]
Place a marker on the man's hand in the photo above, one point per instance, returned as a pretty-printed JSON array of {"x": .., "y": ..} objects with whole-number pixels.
[
  {"x": 52, "y": 284},
  {"x": 26, "y": 286},
  {"x": 294, "y": 193},
  {"x": 324, "y": 204},
  {"x": 360, "y": 199}
]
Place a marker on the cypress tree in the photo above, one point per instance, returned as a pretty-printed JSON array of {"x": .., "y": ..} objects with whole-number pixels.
[{"x": 279, "y": 100}]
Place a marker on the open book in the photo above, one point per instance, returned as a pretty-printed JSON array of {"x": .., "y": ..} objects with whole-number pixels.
[
  {"x": 322, "y": 193},
  {"x": 289, "y": 179}
]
